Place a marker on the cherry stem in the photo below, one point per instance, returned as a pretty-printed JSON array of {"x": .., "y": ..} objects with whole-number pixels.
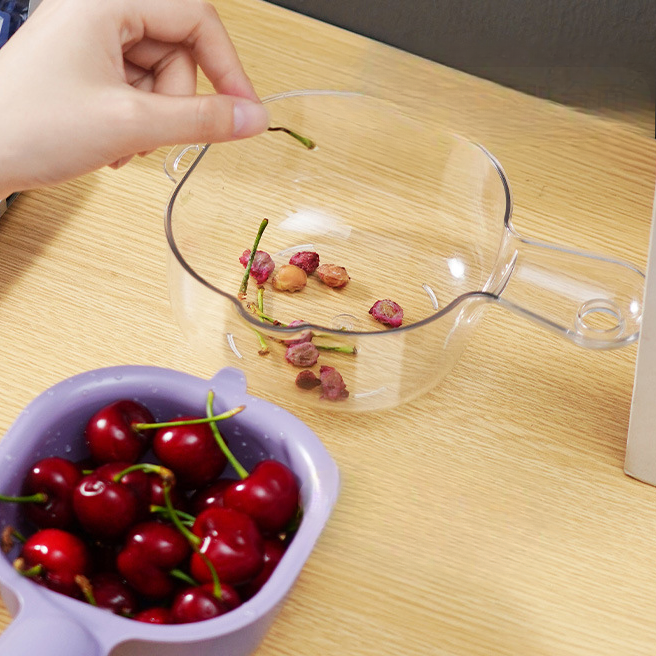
[
  {"x": 264, "y": 347},
  {"x": 242, "y": 473},
  {"x": 186, "y": 518},
  {"x": 190, "y": 422},
  {"x": 352, "y": 350},
  {"x": 262, "y": 316},
  {"x": 149, "y": 468},
  {"x": 308, "y": 143},
  {"x": 216, "y": 583},
  {"x": 9, "y": 534},
  {"x": 193, "y": 539},
  {"x": 87, "y": 589},
  {"x": 244, "y": 282},
  {"x": 30, "y": 572},
  {"x": 38, "y": 497},
  {"x": 183, "y": 576}
]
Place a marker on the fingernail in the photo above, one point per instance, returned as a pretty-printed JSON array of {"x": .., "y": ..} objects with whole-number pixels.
[{"x": 249, "y": 119}]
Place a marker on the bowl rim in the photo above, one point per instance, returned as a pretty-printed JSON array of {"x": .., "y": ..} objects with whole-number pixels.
[{"x": 482, "y": 294}]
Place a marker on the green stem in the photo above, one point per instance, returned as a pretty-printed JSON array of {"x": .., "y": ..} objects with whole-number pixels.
[
  {"x": 265, "y": 317},
  {"x": 149, "y": 468},
  {"x": 183, "y": 576},
  {"x": 264, "y": 347},
  {"x": 221, "y": 442},
  {"x": 18, "y": 535},
  {"x": 190, "y": 422},
  {"x": 30, "y": 572},
  {"x": 186, "y": 518},
  {"x": 192, "y": 538},
  {"x": 308, "y": 143},
  {"x": 352, "y": 350},
  {"x": 38, "y": 497},
  {"x": 216, "y": 583},
  {"x": 87, "y": 589},
  {"x": 262, "y": 316},
  {"x": 244, "y": 281}
]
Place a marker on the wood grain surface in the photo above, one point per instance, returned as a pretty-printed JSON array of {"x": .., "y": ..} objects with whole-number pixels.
[{"x": 491, "y": 516}]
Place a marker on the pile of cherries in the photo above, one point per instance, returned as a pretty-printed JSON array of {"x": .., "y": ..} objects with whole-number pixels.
[{"x": 149, "y": 526}]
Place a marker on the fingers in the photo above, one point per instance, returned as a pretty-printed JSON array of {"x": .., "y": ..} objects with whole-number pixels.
[
  {"x": 157, "y": 120},
  {"x": 172, "y": 67},
  {"x": 196, "y": 25}
]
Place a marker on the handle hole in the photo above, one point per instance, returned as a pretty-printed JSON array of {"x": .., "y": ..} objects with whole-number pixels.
[{"x": 600, "y": 317}]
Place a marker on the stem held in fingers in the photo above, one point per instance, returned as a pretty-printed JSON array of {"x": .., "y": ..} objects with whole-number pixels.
[{"x": 308, "y": 143}]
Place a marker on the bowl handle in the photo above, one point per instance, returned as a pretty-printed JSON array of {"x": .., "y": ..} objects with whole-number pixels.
[
  {"x": 52, "y": 634},
  {"x": 176, "y": 161},
  {"x": 593, "y": 300}
]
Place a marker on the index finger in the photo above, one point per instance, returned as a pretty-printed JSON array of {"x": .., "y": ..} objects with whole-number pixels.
[{"x": 196, "y": 25}]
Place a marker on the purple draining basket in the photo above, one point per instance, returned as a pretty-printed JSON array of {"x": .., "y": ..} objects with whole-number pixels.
[{"x": 50, "y": 624}]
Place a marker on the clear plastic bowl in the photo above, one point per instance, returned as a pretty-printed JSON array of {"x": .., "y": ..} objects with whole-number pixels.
[{"x": 415, "y": 215}]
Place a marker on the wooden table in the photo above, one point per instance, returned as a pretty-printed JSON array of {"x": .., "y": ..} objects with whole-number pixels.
[{"x": 491, "y": 516}]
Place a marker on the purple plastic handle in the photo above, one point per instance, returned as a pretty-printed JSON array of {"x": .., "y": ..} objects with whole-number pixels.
[
  {"x": 50, "y": 634},
  {"x": 50, "y": 624}
]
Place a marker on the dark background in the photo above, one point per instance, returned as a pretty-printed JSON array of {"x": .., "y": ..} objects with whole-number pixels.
[{"x": 599, "y": 55}]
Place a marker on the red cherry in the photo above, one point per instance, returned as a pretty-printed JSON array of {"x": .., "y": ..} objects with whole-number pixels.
[
  {"x": 105, "y": 508},
  {"x": 155, "y": 615},
  {"x": 151, "y": 550},
  {"x": 269, "y": 494},
  {"x": 230, "y": 598},
  {"x": 110, "y": 591},
  {"x": 210, "y": 496},
  {"x": 191, "y": 452},
  {"x": 61, "y": 556},
  {"x": 56, "y": 478},
  {"x": 196, "y": 604},
  {"x": 110, "y": 435},
  {"x": 231, "y": 541},
  {"x": 274, "y": 550},
  {"x": 156, "y": 493}
]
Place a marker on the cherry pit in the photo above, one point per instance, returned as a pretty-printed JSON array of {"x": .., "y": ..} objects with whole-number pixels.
[{"x": 160, "y": 522}]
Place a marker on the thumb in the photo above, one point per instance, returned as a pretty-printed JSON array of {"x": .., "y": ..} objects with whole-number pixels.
[{"x": 166, "y": 120}]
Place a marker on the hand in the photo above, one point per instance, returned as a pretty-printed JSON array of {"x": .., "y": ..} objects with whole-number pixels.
[{"x": 88, "y": 83}]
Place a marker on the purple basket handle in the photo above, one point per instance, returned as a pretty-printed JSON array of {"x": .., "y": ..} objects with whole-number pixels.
[{"x": 50, "y": 634}]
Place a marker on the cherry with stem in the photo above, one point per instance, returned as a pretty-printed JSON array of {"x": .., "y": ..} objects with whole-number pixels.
[{"x": 269, "y": 494}]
